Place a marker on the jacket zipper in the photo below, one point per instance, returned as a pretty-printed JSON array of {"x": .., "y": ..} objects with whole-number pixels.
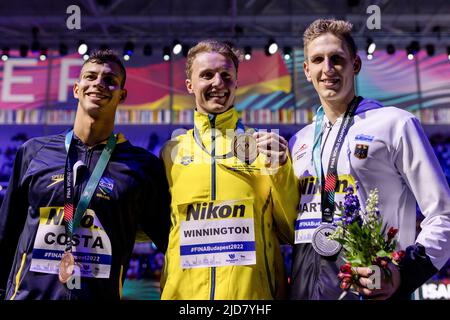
[
  {"x": 212, "y": 121},
  {"x": 120, "y": 282},
  {"x": 317, "y": 257},
  {"x": 266, "y": 261}
]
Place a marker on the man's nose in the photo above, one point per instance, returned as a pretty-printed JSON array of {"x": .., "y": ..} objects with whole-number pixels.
[
  {"x": 217, "y": 80},
  {"x": 99, "y": 82},
  {"x": 328, "y": 65}
]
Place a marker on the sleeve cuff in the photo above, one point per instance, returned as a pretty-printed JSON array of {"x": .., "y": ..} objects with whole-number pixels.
[{"x": 415, "y": 269}]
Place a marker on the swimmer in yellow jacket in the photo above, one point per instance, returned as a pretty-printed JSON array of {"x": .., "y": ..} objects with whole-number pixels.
[{"x": 234, "y": 193}]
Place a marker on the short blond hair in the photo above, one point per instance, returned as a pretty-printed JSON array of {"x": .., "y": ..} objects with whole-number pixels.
[
  {"x": 209, "y": 45},
  {"x": 340, "y": 28}
]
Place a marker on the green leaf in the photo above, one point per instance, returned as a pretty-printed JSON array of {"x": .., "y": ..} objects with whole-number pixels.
[
  {"x": 356, "y": 262},
  {"x": 382, "y": 254}
]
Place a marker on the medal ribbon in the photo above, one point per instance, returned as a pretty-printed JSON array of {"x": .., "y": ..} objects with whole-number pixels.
[
  {"x": 72, "y": 220},
  {"x": 197, "y": 137},
  {"x": 327, "y": 187}
]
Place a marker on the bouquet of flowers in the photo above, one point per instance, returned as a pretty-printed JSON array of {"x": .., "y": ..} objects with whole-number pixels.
[{"x": 363, "y": 238}]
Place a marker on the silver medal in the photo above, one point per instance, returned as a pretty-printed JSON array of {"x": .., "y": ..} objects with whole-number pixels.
[{"x": 321, "y": 242}]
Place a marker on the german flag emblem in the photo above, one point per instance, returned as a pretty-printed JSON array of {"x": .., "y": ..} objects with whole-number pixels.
[{"x": 361, "y": 151}]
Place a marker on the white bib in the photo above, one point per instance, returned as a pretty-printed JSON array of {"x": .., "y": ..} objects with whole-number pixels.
[
  {"x": 92, "y": 250},
  {"x": 310, "y": 216},
  {"x": 217, "y": 233}
]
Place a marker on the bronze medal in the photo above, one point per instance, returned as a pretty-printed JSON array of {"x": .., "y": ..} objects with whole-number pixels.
[
  {"x": 245, "y": 148},
  {"x": 66, "y": 267}
]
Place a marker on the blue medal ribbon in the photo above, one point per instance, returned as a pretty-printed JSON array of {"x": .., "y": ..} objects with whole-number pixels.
[{"x": 72, "y": 221}]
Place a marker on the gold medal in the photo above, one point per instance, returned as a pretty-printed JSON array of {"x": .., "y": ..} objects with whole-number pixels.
[
  {"x": 245, "y": 148},
  {"x": 66, "y": 267}
]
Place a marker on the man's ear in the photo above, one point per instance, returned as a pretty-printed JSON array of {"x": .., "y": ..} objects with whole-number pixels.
[
  {"x": 123, "y": 95},
  {"x": 188, "y": 83},
  {"x": 76, "y": 88},
  {"x": 306, "y": 70},
  {"x": 357, "y": 64}
]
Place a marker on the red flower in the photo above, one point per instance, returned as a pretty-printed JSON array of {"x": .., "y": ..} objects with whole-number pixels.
[
  {"x": 345, "y": 276},
  {"x": 345, "y": 285},
  {"x": 398, "y": 255},
  {"x": 391, "y": 233},
  {"x": 346, "y": 268}
]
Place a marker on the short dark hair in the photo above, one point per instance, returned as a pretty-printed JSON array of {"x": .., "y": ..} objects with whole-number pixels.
[
  {"x": 210, "y": 45},
  {"x": 340, "y": 28},
  {"x": 105, "y": 56}
]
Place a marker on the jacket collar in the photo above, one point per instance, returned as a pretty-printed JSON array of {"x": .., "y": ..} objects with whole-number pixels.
[
  {"x": 363, "y": 106},
  {"x": 120, "y": 139},
  {"x": 221, "y": 121}
]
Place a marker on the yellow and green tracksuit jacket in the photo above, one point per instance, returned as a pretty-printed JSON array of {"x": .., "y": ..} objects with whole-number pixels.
[{"x": 227, "y": 219}]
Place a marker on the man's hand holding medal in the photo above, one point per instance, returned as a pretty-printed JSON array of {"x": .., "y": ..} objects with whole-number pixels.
[
  {"x": 248, "y": 145},
  {"x": 273, "y": 146}
]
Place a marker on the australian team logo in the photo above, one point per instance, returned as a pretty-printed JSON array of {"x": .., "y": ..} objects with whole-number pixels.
[
  {"x": 186, "y": 160},
  {"x": 361, "y": 151}
]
